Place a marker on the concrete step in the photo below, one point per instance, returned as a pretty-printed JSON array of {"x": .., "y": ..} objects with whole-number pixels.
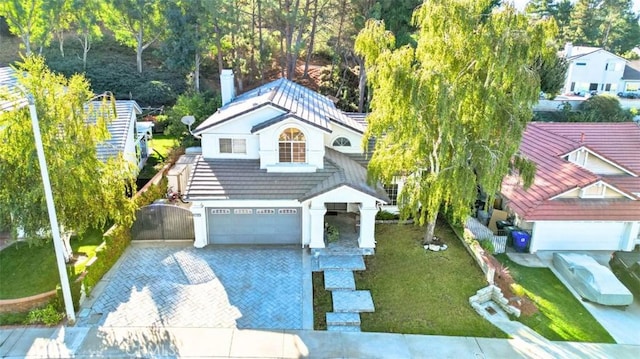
[
  {"x": 341, "y": 262},
  {"x": 344, "y": 319},
  {"x": 343, "y": 328},
  {"x": 335, "y": 279},
  {"x": 352, "y": 301}
]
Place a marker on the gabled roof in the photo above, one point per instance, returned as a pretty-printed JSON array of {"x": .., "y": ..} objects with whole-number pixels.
[
  {"x": 580, "y": 51},
  {"x": 239, "y": 179},
  {"x": 547, "y": 143},
  {"x": 118, "y": 127},
  {"x": 293, "y": 99}
]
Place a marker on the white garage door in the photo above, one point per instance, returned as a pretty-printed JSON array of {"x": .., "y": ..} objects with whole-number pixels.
[
  {"x": 254, "y": 225},
  {"x": 554, "y": 235}
]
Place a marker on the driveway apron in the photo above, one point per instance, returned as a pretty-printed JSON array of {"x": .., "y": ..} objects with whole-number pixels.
[{"x": 216, "y": 287}]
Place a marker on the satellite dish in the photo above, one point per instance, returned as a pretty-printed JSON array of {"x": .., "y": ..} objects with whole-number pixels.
[{"x": 188, "y": 120}]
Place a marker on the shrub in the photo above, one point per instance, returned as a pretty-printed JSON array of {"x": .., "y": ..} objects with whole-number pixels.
[
  {"x": 153, "y": 192},
  {"x": 386, "y": 216},
  {"x": 198, "y": 105},
  {"x": 47, "y": 315},
  {"x": 13, "y": 318},
  {"x": 487, "y": 245},
  {"x": 333, "y": 234},
  {"x": 116, "y": 241},
  {"x": 602, "y": 108}
]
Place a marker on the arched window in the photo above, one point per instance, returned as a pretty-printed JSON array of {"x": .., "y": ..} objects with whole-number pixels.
[
  {"x": 341, "y": 142},
  {"x": 292, "y": 146}
]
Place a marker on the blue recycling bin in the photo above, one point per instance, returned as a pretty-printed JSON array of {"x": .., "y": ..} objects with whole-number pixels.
[{"x": 521, "y": 240}]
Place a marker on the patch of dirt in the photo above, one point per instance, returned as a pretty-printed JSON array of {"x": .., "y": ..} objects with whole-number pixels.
[{"x": 504, "y": 281}]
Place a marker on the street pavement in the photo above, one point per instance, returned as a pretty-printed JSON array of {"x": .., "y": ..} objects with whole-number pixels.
[{"x": 156, "y": 342}]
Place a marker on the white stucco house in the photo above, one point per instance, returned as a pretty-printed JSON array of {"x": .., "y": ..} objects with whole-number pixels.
[
  {"x": 586, "y": 192},
  {"x": 273, "y": 161},
  {"x": 593, "y": 69}
]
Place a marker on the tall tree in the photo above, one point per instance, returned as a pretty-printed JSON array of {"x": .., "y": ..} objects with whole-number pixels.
[
  {"x": 58, "y": 14},
  {"x": 552, "y": 72},
  {"x": 84, "y": 19},
  {"x": 449, "y": 113},
  {"x": 135, "y": 23},
  {"x": 26, "y": 19},
  {"x": 87, "y": 192},
  {"x": 584, "y": 23}
]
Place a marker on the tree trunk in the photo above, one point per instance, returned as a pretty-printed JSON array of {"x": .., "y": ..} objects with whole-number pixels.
[
  {"x": 312, "y": 39},
  {"x": 196, "y": 73},
  {"x": 431, "y": 227},
  {"x": 261, "y": 45},
  {"x": 61, "y": 43},
  {"x": 139, "y": 51},
  {"x": 341, "y": 23},
  {"x": 67, "y": 252}
]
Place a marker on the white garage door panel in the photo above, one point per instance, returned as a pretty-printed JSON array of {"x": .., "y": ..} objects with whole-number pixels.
[
  {"x": 254, "y": 225},
  {"x": 578, "y": 235}
]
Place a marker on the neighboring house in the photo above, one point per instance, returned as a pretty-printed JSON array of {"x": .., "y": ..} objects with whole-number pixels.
[
  {"x": 631, "y": 77},
  {"x": 586, "y": 193},
  {"x": 125, "y": 138},
  {"x": 593, "y": 69},
  {"x": 274, "y": 160}
]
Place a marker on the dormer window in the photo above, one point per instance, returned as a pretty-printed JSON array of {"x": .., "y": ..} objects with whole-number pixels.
[
  {"x": 341, "y": 142},
  {"x": 292, "y": 146}
]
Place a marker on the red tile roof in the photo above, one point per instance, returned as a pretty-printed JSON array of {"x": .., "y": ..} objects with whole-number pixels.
[{"x": 547, "y": 143}]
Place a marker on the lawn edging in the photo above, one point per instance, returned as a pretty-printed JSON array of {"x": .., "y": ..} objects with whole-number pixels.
[{"x": 26, "y": 304}]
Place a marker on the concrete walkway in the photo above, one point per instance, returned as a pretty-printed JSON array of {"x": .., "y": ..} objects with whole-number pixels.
[{"x": 113, "y": 342}]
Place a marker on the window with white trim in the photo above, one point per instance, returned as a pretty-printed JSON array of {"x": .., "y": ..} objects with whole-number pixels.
[
  {"x": 292, "y": 146},
  {"x": 392, "y": 192},
  {"x": 341, "y": 142},
  {"x": 233, "y": 145}
]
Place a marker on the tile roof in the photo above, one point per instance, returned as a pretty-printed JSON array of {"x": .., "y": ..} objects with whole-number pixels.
[
  {"x": 546, "y": 143},
  {"x": 221, "y": 179},
  {"x": 118, "y": 127},
  {"x": 10, "y": 96},
  {"x": 293, "y": 99}
]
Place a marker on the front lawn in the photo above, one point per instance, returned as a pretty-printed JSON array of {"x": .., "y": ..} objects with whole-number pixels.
[
  {"x": 420, "y": 292},
  {"x": 161, "y": 146},
  {"x": 561, "y": 317},
  {"x": 28, "y": 270}
]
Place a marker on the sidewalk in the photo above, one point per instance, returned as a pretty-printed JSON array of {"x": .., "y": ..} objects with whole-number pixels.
[{"x": 83, "y": 342}]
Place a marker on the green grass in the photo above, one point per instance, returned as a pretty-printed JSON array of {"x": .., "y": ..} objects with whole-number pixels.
[
  {"x": 163, "y": 145},
  {"x": 322, "y": 302},
  {"x": 561, "y": 317},
  {"x": 420, "y": 292},
  {"x": 27, "y": 270}
]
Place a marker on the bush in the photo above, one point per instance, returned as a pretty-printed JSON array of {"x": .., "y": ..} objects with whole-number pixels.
[
  {"x": 154, "y": 192},
  {"x": 487, "y": 245},
  {"x": 13, "y": 318},
  {"x": 116, "y": 241},
  {"x": 47, "y": 315},
  {"x": 386, "y": 216},
  {"x": 198, "y": 105},
  {"x": 602, "y": 108},
  {"x": 332, "y": 233}
]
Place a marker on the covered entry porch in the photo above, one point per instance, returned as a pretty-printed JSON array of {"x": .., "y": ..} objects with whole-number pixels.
[{"x": 351, "y": 211}]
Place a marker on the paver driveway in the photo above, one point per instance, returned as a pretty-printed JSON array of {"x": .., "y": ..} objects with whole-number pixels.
[{"x": 181, "y": 286}]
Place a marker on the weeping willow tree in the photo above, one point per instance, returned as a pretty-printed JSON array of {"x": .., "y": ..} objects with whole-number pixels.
[
  {"x": 449, "y": 113},
  {"x": 87, "y": 192}
]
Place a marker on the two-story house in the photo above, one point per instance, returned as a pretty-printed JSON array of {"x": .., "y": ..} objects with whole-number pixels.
[
  {"x": 593, "y": 69},
  {"x": 586, "y": 191},
  {"x": 273, "y": 161}
]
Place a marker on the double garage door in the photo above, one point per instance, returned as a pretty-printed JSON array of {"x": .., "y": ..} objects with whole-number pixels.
[{"x": 254, "y": 225}]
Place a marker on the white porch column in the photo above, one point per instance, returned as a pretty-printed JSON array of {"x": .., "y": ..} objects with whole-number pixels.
[
  {"x": 199, "y": 225},
  {"x": 317, "y": 212},
  {"x": 367, "y": 225}
]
